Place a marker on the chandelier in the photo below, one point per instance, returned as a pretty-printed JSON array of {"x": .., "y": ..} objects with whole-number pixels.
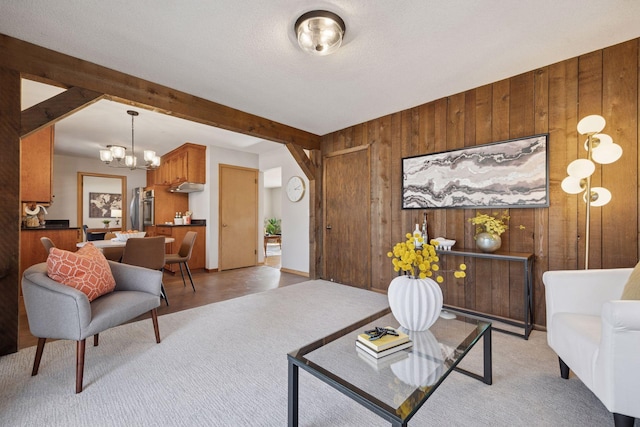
[{"x": 115, "y": 156}]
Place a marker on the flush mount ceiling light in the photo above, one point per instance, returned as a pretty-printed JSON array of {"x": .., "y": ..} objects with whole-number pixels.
[
  {"x": 117, "y": 153},
  {"x": 320, "y": 32}
]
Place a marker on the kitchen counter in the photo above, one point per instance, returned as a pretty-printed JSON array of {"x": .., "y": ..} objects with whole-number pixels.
[
  {"x": 194, "y": 223},
  {"x": 52, "y": 224},
  {"x": 180, "y": 225},
  {"x": 49, "y": 227}
]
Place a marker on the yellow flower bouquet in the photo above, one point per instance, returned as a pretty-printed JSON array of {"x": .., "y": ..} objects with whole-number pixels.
[
  {"x": 419, "y": 262},
  {"x": 496, "y": 224}
]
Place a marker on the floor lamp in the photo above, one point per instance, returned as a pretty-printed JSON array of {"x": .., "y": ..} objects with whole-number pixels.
[{"x": 600, "y": 149}]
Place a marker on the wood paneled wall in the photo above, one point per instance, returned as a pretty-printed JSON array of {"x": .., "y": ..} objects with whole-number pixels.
[{"x": 551, "y": 100}]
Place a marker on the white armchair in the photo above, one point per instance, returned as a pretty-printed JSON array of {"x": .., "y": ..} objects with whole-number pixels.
[{"x": 597, "y": 335}]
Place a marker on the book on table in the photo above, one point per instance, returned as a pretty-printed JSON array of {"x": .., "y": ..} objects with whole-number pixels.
[
  {"x": 382, "y": 353},
  {"x": 384, "y": 342}
]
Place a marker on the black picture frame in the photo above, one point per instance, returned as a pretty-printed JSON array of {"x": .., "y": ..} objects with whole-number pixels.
[
  {"x": 101, "y": 204},
  {"x": 505, "y": 174}
]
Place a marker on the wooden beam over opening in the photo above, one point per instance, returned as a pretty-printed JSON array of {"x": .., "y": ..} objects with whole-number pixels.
[
  {"x": 33, "y": 60},
  {"x": 56, "y": 108},
  {"x": 303, "y": 161}
]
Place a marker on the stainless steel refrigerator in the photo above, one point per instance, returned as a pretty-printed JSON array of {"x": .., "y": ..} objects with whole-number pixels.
[{"x": 136, "y": 209}]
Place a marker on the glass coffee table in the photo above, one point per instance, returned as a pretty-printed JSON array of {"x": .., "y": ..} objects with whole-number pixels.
[{"x": 397, "y": 385}]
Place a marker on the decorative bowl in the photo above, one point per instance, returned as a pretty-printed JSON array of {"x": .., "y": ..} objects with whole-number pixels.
[
  {"x": 444, "y": 244},
  {"x": 123, "y": 236}
]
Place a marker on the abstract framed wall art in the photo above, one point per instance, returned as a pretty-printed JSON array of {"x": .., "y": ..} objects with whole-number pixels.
[
  {"x": 101, "y": 204},
  {"x": 506, "y": 174}
]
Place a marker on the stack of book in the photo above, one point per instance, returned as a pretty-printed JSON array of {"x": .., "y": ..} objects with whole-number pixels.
[{"x": 384, "y": 346}]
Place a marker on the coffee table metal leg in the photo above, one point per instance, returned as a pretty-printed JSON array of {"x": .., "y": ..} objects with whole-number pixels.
[
  {"x": 293, "y": 395},
  {"x": 488, "y": 369}
]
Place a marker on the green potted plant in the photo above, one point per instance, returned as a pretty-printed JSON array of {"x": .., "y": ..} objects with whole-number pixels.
[{"x": 272, "y": 226}]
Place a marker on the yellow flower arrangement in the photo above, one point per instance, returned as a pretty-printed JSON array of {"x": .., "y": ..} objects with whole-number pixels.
[
  {"x": 496, "y": 224},
  {"x": 423, "y": 261}
]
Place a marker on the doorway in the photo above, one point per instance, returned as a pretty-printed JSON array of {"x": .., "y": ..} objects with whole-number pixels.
[
  {"x": 109, "y": 192},
  {"x": 238, "y": 226},
  {"x": 347, "y": 217},
  {"x": 272, "y": 217}
]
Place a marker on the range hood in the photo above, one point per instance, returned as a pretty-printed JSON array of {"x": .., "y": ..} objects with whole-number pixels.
[{"x": 186, "y": 187}]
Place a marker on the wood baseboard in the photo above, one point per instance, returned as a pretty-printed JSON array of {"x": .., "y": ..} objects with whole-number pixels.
[{"x": 299, "y": 273}]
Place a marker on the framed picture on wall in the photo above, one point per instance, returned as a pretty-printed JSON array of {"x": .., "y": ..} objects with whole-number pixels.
[
  {"x": 101, "y": 204},
  {"x": 507, "y": 174}
]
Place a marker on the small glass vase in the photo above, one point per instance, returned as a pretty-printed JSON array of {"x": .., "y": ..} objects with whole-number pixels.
[{"x": 488, "y": 242}]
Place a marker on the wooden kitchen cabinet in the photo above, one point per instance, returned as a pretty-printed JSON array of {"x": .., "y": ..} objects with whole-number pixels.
[
  {"x": 186, "y": 163},
  {"x": 166, "y": 204},
  {"x": 178, "y": 232},
  {"x": 36, "y": 166},
  {"x": 32, "y": 251}
]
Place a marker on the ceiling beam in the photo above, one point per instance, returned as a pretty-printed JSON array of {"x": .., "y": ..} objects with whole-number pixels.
[
  {"x": 28, "y": 58},
  {"x": 303, "y": 161},
  {"x": 56, "y": 108}
]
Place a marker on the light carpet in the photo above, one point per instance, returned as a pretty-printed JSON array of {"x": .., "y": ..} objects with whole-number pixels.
[{"x": 225, "y": 364}]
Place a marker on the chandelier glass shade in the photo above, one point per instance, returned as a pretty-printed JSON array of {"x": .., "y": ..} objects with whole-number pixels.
[
  {"x": 320, "y": 32},
  {"x": 115, "y": 155},
  {"x": 601, "y": 150}
]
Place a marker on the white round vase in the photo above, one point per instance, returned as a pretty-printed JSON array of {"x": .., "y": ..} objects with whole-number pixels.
[{"x": 415, "y": 303}]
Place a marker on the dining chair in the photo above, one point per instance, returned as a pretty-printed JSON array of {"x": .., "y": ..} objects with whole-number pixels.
[
  {"x": 147, "y": 252},
  {"x": 47, "y": 243},
  {"x": 92, "y": 236},
  {"x": 183, "y": 256},
  {"x": 112, "y": 254}
]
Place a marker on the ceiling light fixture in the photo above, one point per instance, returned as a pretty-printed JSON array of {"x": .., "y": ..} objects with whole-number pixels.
[
  {"x": 320, "y": 32},
  {"x": 118, "y": 153}
]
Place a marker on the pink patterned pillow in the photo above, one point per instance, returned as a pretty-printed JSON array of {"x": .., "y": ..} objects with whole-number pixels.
[{"x": 86, "y": 270}]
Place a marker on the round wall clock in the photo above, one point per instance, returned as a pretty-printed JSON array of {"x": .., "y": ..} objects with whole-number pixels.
[{"x": 295, "y": 188}]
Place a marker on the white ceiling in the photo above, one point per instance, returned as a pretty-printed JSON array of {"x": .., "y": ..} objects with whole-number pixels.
[{"x": 243, "y": 54}]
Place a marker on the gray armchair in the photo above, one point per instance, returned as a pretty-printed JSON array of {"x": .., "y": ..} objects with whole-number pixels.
[{"x": 58, "y": 311}]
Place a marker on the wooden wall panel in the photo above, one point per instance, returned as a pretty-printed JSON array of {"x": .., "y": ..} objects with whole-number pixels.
[
  {"x": 482, "y": 270},
  {"x": 397, "y": 226},
  {"x": 379, "y": 136},
  {"x": 549, "y": 100},
  {"x": 454, "y": 218},
  {"x": 539, "y": 234},
  {"x": 619, "y": 96},
  {"x": 563, "y": 146},
  {"x": 439, "y": 216},
  {"x": 468, "y": 230},
  {"x": 500, "y": 132},
  {"x": 590, "y": 102},
  {"x": 521, "y": 123}
]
